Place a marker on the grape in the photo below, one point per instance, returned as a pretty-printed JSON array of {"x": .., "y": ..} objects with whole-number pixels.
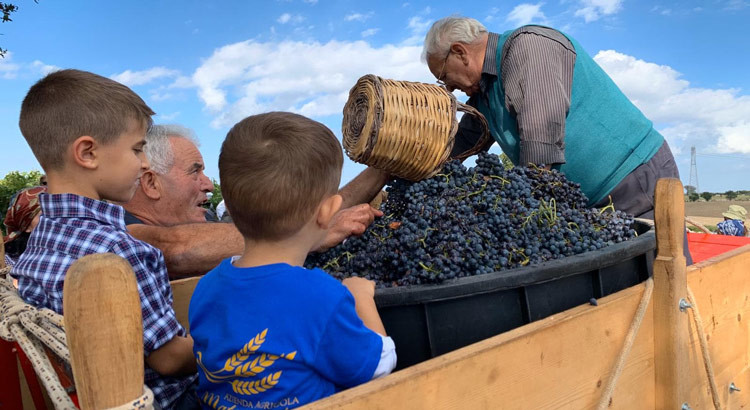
[{"x": 471, "y": 221}]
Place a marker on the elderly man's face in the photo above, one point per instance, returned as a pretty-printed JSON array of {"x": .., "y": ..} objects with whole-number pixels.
[
  {"x": 457, "y": 70},
  {"x": 185, "y": 186}
]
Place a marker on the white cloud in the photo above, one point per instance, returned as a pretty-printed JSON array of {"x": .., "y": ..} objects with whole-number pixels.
[
  {"x": 592, "y": 10},
  {"x": 311, "y": 2},
  {"x": 713, "y": 120},
  {"x": 133, "y": 78},
  {"x": 418, "y": 27},
  {"x": 8, "y": 70},
  {"x": 733, "y": 5},
  {"x": 182, "y": 82},
  {"x": 286, "y": 18},
  {"x": 492, "y": 14},
  {"x": 44, "y": 69},
  {"x": 358, "y": 16},
  {"x": 525, "y": 13},
  {"x": 307, "y": 77},
  {"x": 168, "y": 117},
  {"x": 370, "y": 32}
]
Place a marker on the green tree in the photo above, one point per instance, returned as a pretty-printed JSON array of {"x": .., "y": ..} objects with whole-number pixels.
[
  {"x": 13, "y": 182},
  {"x": 730, "y": 195},
  {"x": 214, "y": 201},
  {"x": 6, "y": 9},
  {"x": 693, "y": 197},
  {"x": 706, "y": 195}
]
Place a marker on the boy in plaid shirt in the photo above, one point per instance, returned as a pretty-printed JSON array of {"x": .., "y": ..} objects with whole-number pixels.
[{"x": 87, "y": 132}]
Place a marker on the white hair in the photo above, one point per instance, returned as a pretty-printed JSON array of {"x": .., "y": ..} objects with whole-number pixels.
[
  {"x": 158, "y": 149},
  {"x": 449, "y": 30}
]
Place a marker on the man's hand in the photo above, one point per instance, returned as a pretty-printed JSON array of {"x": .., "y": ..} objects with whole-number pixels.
[{"x": 347, "y": 222}]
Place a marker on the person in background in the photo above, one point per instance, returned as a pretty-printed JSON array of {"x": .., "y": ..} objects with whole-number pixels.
[
  {"x": 734, "y": 221},
  {"x": 221, "y": 212},
  {"x": 43, "y": 180},
  {"x": 21, "y": 218}
]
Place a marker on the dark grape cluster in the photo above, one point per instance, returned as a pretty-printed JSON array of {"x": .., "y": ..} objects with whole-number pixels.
[{"x": 470, "y": 221}]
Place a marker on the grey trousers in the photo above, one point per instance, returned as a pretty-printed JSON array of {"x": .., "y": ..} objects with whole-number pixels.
[{"x": 635, "y": 193}]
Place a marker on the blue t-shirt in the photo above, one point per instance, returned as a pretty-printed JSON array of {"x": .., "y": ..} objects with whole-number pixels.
[{"x": 277, "y": 336}]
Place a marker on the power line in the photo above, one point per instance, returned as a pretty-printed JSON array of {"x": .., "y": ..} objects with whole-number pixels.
[{"x": 724, "y": 156}]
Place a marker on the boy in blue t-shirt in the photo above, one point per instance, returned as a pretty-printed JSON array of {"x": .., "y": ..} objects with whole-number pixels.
[{"x": 269, "y": 333}]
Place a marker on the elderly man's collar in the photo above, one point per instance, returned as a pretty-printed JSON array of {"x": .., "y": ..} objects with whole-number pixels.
[
  {"x": 489, "y": 67},
  {"x": 490, "y": 55}
]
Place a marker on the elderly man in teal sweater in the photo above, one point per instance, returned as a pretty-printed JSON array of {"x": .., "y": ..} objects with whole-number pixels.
[{"x": 547, "y": 102}]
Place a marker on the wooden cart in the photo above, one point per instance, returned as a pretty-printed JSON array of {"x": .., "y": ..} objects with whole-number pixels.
[{"x": 640, "y": 348}]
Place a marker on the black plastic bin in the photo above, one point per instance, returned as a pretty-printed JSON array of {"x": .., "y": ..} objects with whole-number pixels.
[{"x": 429, "y": 320}]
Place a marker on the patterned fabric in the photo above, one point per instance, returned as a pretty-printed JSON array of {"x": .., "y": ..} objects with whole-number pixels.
[
  {"x": 731, "y": 227},
  {"x": 9, "y": 261},
  {"x": 22, "y": 210},
  {"x": 73, "y": 226}
]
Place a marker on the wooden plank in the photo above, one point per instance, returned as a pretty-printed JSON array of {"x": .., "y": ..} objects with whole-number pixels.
[
  {"x": 559, "y": 362},
  {"x": 670, "y": 285},
  {"x": 182, "y": 291},
  {"x": 721, "y": 287},
  {"x": 103, "y": 325}
]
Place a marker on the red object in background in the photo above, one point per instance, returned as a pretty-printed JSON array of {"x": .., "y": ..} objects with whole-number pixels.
[
  {"x": 10, "y": 388},
  {"x": 705, "y": 245}
]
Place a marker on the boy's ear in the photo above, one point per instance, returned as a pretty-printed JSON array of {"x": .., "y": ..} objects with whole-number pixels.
[
  {"x": 84, "y": 152},
  {"x": 150, "y": 185},
  {"x": 328, "y": 209}
]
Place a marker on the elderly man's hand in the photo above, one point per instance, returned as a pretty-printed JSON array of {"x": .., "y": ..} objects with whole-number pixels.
[{"x": 347, "y": 222}]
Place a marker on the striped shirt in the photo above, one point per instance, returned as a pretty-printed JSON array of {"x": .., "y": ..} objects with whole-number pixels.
[
  {"x": 537, "y": 77},
  {"x": 72, "y": 226}
]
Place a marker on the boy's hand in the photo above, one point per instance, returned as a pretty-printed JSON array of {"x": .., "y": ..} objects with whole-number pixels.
[
  {"x": 360, "y": 286},
  {"x": 347, "y": 222}
]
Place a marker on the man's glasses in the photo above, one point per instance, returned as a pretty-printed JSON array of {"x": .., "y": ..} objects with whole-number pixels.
[{"x": 442, "y": 71}]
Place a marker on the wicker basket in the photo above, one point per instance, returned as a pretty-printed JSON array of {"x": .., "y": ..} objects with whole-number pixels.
[{"x": 402, "y": 127}]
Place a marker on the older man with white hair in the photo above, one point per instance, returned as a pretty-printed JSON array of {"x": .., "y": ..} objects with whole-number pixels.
[
  {"x": 166, "y": 210},
  {"x": 547, "y": 102}
]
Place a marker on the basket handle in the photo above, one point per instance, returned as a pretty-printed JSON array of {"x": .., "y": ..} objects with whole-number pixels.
[{"x": 484, "y": 141}]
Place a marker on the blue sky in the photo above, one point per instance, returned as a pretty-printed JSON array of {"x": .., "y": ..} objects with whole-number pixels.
[{"x": 207, "y": 64}]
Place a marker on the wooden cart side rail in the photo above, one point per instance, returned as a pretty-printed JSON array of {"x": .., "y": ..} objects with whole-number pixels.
[
  {"x": 182, "y": 291},
  {"x": 721, "y": 287}
]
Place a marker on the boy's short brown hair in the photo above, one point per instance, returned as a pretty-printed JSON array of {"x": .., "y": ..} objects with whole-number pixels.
[
  {"x": 68, "y": 104},
  {"x": 275, "y": 168}
]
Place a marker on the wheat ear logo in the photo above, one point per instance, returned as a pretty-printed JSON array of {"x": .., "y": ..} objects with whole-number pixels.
[{"x": 247, "y": 363}]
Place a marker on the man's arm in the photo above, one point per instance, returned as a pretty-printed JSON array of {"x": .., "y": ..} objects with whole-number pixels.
[
  {"x": 363, "y": 188},
  {"x": 174, "y": 358},
  {"x": 194, "y": 249},
  {"x": 191, "y": 249},
  {"x": 537, "y": 75}
]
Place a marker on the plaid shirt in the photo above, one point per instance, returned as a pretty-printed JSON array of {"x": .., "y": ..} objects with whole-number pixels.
[{"x": 72, "y": 226}]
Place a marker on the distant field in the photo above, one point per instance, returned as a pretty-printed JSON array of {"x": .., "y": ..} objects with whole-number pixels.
[{"x": 709, "y": 213}]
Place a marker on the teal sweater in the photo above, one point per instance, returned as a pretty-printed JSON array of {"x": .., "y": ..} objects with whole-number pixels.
[{"x": 606, "y": 136}]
